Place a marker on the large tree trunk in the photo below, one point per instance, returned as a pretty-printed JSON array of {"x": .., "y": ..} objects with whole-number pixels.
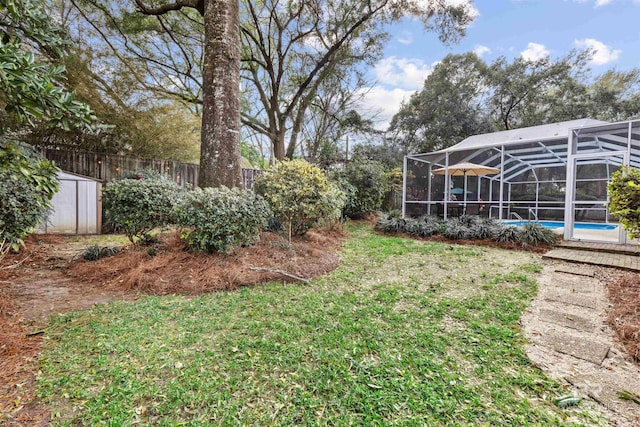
[
  {"x": 278, "y": 142},
  {"x": 220, "y": 146}
]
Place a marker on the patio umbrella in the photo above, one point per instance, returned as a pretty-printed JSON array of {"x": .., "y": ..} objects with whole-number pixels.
[{"x": 466, "y": 169}]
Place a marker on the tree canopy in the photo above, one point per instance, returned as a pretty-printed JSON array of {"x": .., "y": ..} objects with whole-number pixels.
[
  {"x": 293, "y": 54},
  {"x": 465, "y": 96},
  {"x": 31, "y": 73}
]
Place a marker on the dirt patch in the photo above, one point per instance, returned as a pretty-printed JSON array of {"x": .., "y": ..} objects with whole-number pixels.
[
  {"x": 19, "y": 350},
  {"x": 624, "y": 315},
  {"x": 49, "y": 276}
]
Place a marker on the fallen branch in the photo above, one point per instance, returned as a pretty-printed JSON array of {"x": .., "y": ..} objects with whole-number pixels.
[
  {"x": 16, "y": 265},
  {"x": 283, "y": 273}
]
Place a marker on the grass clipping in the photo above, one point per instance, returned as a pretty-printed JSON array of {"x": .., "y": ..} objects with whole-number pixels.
[
  {"x": 624, "y": 316},
  {"x": 174, "y": 269}
]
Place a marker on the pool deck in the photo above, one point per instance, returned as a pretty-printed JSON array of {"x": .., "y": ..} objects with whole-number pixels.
[{"x": 625, "y": 257}]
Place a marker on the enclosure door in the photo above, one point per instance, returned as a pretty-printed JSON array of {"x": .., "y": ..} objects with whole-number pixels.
[{"x": 589, "y": 218}]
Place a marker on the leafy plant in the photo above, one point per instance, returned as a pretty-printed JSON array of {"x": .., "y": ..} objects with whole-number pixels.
[
  {"x": 485, "y": 228},
  {"x": 214, "y": 219},
  {"x": 27, "y": 184},
  {"x": 624, "y": 199},
  {"x": 425, "y": 226},
  {"x": 457, "y": 229},
  {"x": 391, "y": 224},
  {"x": 370, "y": 182},
  {"x": 533, "y": 234},
  {"x": 300, "y": 196},
  {"x": 507, "y": 234},
  {"x": 95, "y": 252},
  {"x": 137, "y": 206},
  {"x": 31, "y": 85}
]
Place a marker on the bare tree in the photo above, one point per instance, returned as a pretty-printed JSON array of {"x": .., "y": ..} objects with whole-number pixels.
[{"x": 288, "y": 50}]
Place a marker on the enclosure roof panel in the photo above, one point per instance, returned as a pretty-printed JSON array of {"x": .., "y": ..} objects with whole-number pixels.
[{"x": 552, "y": 131}]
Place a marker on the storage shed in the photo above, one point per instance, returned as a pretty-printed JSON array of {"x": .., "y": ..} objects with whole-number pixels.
[{"x": 77, "y": 207}]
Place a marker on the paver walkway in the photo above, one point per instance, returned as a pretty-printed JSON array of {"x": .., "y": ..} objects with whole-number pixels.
[
  {"x": 569, "y": 338},
  {"x": 601, "y": 247},
  {"x": 606, "y": 259}
]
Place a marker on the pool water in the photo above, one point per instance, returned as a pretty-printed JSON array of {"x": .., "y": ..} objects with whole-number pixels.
[{"x": 576, "y": 225}]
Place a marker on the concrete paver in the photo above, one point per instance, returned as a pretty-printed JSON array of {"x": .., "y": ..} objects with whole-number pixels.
[
  {"x": 565, "y": 318},
  {"x": 573, "y": 298},
  {"x": 582, "y": 348},
  {"x": 616, "y": 260},
  {"x": 569, "y": 338}
]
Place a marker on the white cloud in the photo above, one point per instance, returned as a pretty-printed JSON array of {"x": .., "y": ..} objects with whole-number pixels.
[
  {"x": 382, "y": 103},
  {"x": 406, "y": 37},
  {"x": 534, "y": 52},
  {"x": 481, "y": 50},
  {"x": 408, "y": 73},
  {"x": 602, "y": 2},
  {"x": 602, "y": 54},
  {"x": 467, "y": 4}
]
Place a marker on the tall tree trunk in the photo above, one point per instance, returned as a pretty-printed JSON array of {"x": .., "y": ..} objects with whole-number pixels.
[
  {"x": 220, "y": 147},
  {"x": 278, "y": 142},
  {"x": 295, "y": 129}
]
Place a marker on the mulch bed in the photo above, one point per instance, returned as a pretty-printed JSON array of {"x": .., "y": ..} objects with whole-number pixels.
[
  {"x": 175, "y": 269},
  {"x": 624, "y": 316}
]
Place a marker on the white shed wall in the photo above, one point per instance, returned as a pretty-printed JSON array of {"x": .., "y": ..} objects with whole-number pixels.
[{"x": 77, "y": 207}]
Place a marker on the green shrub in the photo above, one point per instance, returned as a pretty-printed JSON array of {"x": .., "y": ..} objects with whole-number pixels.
[
  {"x": 425, "y": 226},
  {"x": 370, "y": 181},
  {"x": 388, "y": 223},
  {"x": 95, "y": 252},
  {"x": 27, "y": 184},
  {"x": 214, "y": 219},
  {"x": 533, "y": 234},
  {"x": 456, "y": 229},
  {"x": 507, "y": 234},
  {"x": 624, "y": 199},
  {"x": 484, "y": 228},
  {"x": 300, "y": 196},
  {"x": 137, "y": 206}
]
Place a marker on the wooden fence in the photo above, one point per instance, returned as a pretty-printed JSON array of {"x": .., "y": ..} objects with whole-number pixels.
[{"x": 107, "y": 167}]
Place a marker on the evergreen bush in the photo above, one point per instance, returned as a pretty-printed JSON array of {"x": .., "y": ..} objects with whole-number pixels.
[
  {"x": 214, "y": 219},
  {"x": 300, "y": 196},
  {"x": 624, "y": 199},
  {"x": 27, "y": 184},
  {"x": 137, "y": 206},
  {"x": 507, "y": 234},
  {"x": 533, "y": 234},
  {"x": 370, "y": 182}
]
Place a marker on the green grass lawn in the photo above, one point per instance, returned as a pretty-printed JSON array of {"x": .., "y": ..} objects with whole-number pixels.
[{"x": 404, "y": 332}]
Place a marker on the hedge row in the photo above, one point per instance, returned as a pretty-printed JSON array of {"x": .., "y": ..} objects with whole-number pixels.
[{"x": 295, "y": 194}]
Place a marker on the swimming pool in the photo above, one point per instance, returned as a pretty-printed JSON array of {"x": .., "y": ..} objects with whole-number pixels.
[{"x": 576, "y": 225}]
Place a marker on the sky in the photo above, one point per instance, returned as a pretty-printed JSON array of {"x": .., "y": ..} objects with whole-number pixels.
[{"x": 510, "y": 28}]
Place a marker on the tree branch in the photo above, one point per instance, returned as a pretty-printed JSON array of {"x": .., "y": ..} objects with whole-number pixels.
[{"x": 165, "y": 8}]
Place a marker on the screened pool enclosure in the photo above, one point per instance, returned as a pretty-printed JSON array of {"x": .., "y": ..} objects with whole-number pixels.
[{"x": 556, "y": 172}]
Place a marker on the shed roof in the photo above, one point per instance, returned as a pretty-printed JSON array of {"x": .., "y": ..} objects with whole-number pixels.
[{"x": 68, "y": 176}]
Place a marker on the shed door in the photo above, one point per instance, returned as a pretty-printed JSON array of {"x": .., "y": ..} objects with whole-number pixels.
[{"x": 64, "y": 219}]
